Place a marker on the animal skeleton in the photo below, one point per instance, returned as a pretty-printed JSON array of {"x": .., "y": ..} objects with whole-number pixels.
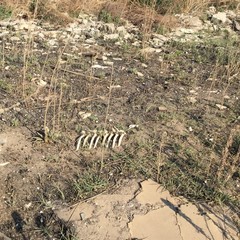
[{"x": 95, "y": 138}]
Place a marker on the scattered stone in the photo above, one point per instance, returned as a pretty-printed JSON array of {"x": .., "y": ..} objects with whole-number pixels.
[
  {"x": 28, "y": 205},
  {"x": 147, "y": 50},
  {"x": 99, "y": 66},
  {"x": 190, "y": 129},
  {"x": 162, "y": 109},
  {"x": 15, "y": 39},
  {"x": 109, "y": 27},
  {"x": 192, "y": 100},
  {"x": 226, "y": 97},
  {"x": 221, "y": 107},
  {"x": 236, "y": 25},
  {"x": 113, "y": 36},
  {"x": 84, "y": 115},
  {"x": 220, "y": 17},
  {"x": 42, "y": 83},
  {"x": 122, "y": 31},
  {"x": 193, "y": 92},
  {"x": 139, "y": 74},
  {"x": 195, "y": 22}
]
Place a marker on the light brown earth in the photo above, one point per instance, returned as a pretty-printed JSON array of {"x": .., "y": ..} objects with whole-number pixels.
[{"x": 154, "y": 214}]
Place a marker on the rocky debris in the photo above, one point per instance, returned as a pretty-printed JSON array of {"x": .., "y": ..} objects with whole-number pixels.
[
  {"x": 220, "y": 17},
  {"x": 88, "y": 29},
  {"x": 236, "y": 25}
]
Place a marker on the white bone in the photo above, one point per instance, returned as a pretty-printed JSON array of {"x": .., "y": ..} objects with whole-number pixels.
[
  {"x": 86, "y": 139},
  {"x": 96, "y": 142},
  {"x": 109, "y": 139},
  {"x": 105, "y": 138},
  {"x": 114, "y": 140},
  {"x": 92, "y": 140},
  {"x": 80, "y": 140},
  {"x": 121, "y": 138}
]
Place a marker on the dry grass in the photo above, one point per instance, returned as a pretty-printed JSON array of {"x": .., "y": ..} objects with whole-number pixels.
[{"x": 140, "y": 12}]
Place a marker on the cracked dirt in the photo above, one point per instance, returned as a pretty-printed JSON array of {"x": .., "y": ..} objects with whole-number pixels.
[{"x": 146, "y": 212}]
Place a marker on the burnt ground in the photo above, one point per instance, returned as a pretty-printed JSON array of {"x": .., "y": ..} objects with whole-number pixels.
[{"x": 185, "y": 110}]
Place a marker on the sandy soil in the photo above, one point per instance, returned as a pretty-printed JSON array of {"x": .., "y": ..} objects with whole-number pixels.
[{"x": 154, "y": 214}]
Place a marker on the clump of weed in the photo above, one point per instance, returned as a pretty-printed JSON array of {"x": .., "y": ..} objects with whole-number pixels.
[
  {"x": 5, "y": 12},
  {"x": 88, "y": 184},
  {"x": 107, "y": 17}
]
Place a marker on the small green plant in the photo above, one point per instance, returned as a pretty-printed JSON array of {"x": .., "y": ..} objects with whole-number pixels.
[
  {"x": 5, "y": 86},
  {"x": 5, "y": 12},
  {"x": 107, "y": 17},
  {"x": 46, "y": 136},
  {"x": 88, "y": 184}
]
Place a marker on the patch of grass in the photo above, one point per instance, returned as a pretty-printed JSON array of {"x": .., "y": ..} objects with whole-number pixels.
[
  {"x": 107, "y": 17},
  {"x": 5, "y": 86},
  {"x": 5, "y": 12},
  {"x": 88, "y": 184}
]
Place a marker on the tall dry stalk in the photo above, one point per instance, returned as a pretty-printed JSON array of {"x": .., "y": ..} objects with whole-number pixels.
[
  {"x": 3, "y": 56},
  {"x": 148, "y": 20},
  {"x": 226, "y": 152},
  {"x": 53, "y": 90},
  {"x": 107, "y": 113},
  {"x": 160, "y": 159}
]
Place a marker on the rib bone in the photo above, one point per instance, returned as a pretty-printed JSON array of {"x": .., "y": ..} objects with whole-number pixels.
[
  {"x": 114, "y": 140},
  {"x": 86, "y": 139},
  {"x": 79, "y": 140},
  {"x": 92, "y": 140},
  {"x": 109, "y": 139},
  {"x": 105, "y": 137},
  {"x": 96, "y": 142},
  {"x": 121, "y": 138}
]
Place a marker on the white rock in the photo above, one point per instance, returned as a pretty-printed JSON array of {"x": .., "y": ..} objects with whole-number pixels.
[
  {"x": 212, "y": 10},
  {"x": 221, "y": 107},
  {"x": 193, "y": 92},
  {"x": 52, "y": 42},
  {"x": 108, "y": 63},
  {"x": 160, "y": 37},
  {"x": 113, "y": 36},
  {"x": 236, "y": 25},
  {"x": 139, "y": 74},
  {"x": 109, "y": 27},
  {"x": 162, "y": 109},
  {"x": 192, "y": 100},
  {"x": 4, "y": 33},
  {"x": 84, "y": 115},
  {"x": 147, "y": 50},
  {"x": 97, "y": 66},
  {"x": 42, "y": 83},
  {"x": 195, "y": 22},
  {"x": 136, "y": 44},
  {"x": 41, "y": 35},
  {"x": 122, "y": 31},
  {"x": 90, "y": 41},
  {"x": 15, "y": 39},
  {"x": 220, "y": 17}
]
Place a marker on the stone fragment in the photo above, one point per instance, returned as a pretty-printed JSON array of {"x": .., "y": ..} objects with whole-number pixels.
[{"x": 220, "y": 17}]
